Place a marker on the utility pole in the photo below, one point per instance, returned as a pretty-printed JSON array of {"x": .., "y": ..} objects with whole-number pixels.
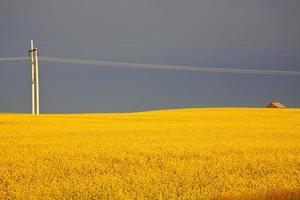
[
  {"x": 37, "y": 82},
  {"x": 34, "y": 79}
]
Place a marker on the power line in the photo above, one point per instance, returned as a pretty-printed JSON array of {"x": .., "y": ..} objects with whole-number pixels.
[
  {"x": 33, "y": 57},
  {"x": 169, "y": 67},
  {"x": 13, "y": 59},
  {"x": 158, "y": 67}
]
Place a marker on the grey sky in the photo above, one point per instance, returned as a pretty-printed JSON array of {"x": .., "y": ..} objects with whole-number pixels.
[{"x": 251, "y": 34}]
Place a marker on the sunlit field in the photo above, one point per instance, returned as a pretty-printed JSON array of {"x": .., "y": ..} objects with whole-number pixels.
[{"x": 175, "y": 154}]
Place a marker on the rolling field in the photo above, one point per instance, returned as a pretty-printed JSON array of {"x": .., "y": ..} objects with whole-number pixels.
[{"x": 174, "y": 154}]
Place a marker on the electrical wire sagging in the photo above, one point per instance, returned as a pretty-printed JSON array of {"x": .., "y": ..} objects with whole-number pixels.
[
  {"x": 158, "y": 67},
  {"x": 169, "y": 67},
  {"x": 13, "y": 59}
]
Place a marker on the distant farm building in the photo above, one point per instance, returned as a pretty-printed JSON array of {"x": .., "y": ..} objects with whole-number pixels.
[{"x": 275, "y": 104}]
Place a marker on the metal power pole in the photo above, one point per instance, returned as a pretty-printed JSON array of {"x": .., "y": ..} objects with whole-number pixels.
[
  {"x": 37, "y": 86},
  {"x": 34, "y": 79},
  {"x": 32, "y": 76}
]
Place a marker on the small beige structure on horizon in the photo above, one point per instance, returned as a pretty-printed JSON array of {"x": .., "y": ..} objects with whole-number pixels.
[{"x": 275, "y": 104}]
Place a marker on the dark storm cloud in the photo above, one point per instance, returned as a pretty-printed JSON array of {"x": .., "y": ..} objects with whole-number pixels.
[{"x": 237, "y": 33}]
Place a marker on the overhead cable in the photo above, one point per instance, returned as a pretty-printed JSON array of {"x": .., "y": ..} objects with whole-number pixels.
[{"x": 169, "y": 67}]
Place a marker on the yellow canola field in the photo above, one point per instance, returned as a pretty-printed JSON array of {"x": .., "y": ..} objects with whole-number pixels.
[{"x": 172, "y": 154}]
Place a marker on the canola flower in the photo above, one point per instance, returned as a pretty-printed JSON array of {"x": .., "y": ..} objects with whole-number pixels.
[{"x": 171, "y": 154}]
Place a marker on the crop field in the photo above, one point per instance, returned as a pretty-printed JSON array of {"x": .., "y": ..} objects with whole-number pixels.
[{"x": 225, "y": 153}]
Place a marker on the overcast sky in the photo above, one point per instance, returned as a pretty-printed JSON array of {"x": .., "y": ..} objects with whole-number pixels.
[{"x": 252, "y": 34}]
